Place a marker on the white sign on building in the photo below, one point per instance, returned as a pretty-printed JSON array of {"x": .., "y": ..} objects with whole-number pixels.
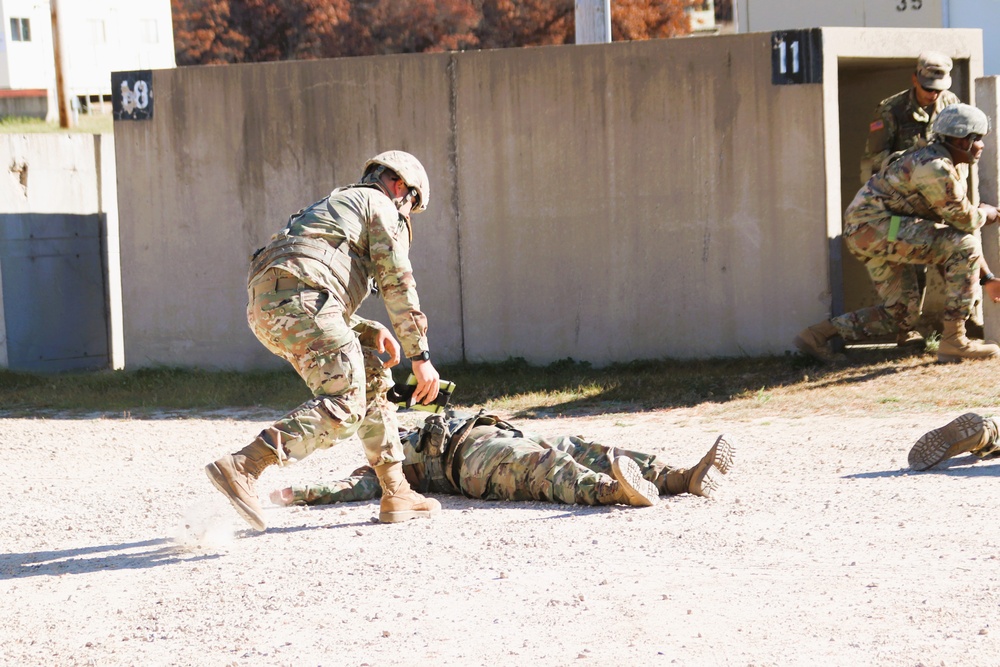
[{"x": 770, "y": 15}]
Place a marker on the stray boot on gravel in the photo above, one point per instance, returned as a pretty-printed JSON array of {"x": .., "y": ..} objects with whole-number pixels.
[
  {"x": 235, "y": 475},
  {"x": 705, "y": 477},
  {"x": 969, "y": 433}
]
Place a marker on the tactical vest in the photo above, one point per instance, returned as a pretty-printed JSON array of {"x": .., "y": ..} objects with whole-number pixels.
[
  {"x": 340, "y": 259},
  {"x": 436, "y": 441}
]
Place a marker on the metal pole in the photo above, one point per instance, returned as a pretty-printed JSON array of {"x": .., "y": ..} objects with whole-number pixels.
[
  {"x": 593, "y": 21},
  {"x": 65, "y": 118}
]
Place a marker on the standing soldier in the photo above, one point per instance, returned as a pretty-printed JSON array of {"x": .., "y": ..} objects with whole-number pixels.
[
  {"x": 916, "y": 211},
  {"x": 303, "y": 289},
  {"x": 904, "y": 120}
]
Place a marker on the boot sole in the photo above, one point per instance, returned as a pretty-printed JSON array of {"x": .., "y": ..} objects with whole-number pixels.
[
  {"x": 954, "y": 438},
  {"x": 221, "y": 482},
  {"x": 725, "y": 453},
  {"x": 639, "y": 491},
  {"x": 954, "y": 358},
  {"x": 405, "y": 515},
  {"x": 720, "y": 459}
]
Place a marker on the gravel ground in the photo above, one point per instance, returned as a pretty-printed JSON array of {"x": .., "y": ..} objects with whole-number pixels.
[{"x": 822, "y": 549}]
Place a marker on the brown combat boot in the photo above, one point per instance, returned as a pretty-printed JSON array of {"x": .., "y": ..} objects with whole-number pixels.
[
  {"x": 235, "y": 475},
  {"x": 706, "y": 476},
  {"x": 628, "y": 486},
  {"x": 968, "y": 433},
  {"x": 910, "y": 339},
  {"x": 954, "y": 345},
  {"x": 813, "y": 341},
  {"x": 399, "y": 501}
]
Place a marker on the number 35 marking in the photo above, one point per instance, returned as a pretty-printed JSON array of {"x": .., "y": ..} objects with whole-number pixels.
[{"x": 909, "y": 4}]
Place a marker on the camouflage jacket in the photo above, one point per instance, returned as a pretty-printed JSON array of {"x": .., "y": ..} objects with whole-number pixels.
[
  {"x": 367, "y": 243},
  {"x": 922, "y": 183},
  {"x": 899, "y": 124}
]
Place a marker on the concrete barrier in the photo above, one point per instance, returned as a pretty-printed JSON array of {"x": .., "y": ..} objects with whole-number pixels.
[{"x": 605, "y": 202}]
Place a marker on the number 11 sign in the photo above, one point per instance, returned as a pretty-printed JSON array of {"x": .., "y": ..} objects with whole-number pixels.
[{"x": 797, "y": 56}]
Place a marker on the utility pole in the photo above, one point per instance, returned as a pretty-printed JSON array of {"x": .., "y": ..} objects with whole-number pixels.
[
  {"x": 65, "y": 118},
  {"x": 593, "y": 21}
]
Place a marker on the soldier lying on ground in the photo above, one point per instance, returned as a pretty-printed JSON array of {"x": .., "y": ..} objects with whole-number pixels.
[
  {"x": 488, "y": 458},
  {"x": 970, "y": 433}
]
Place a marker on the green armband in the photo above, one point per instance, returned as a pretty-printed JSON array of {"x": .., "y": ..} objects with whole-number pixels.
[{"x": 893, "y": 228}]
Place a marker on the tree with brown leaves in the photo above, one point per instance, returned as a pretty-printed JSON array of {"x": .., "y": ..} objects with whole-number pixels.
[{"x": 232, "y": 31}]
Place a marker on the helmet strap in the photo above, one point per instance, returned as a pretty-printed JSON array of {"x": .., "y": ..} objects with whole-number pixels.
[{"x": 961, "y": 152}]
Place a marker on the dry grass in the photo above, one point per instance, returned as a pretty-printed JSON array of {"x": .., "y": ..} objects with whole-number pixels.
[
  {"x": 86, "y": 124},
  {"x": 877, "y": 381},
  {"x": 870, "y": 382},
  {"x": 867, "y": 382}
]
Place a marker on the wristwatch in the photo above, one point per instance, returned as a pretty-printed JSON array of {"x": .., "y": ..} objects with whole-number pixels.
[
  {"x": 982, "y": 281},
  {"x": 423, "y": 356}
]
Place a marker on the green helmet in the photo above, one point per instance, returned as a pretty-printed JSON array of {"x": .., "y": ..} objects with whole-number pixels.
[
  {"x": 961, "y": 120},
  {"x": 409, "y": 169}
]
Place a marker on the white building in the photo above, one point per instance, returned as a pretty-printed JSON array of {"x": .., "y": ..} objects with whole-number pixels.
[
  {"x": 768, "y": 15},
  {"x": 97, "y": 38}
]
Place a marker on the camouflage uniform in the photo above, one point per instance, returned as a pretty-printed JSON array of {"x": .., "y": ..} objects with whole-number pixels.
[
  {"x": 900, "y": 124},
  {"x": 500, "y": 464},
  {"x": 304, "y": 289},
  {"x": 920, "y": 187}
]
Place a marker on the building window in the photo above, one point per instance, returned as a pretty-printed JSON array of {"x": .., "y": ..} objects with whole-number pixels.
[
  {"x": 150, "y": 35},
  {"x": 20, "y": 30}
]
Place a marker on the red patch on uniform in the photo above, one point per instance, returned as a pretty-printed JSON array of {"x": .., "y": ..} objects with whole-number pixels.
[{"x": 877, "y": 125}]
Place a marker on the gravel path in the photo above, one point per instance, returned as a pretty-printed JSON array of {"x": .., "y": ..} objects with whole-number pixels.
[{"x": 821, "y": 550}]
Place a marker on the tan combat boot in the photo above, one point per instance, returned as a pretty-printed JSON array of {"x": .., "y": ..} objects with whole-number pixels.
[
  {"x": 706, "y": 476},
  {"x": 399, "y": 501},
  {"x": 235, "y": 475},
  {"x": 628, "y": 486},
  {"x": 910, "y": 339},
  {"x": 968, "y": 433},
  {"x": 813, "y": 341},
  {"x": 954, "y": 345}
]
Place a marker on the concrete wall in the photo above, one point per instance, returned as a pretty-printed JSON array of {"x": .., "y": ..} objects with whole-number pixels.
[
  {"x": 604, "y": 202},
  {"x": 53, "y": 180},
  {"x": 988, "y": 99}
]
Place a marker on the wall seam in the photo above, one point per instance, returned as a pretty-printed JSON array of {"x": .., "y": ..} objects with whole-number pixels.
[{"x": 455, "y": 194}]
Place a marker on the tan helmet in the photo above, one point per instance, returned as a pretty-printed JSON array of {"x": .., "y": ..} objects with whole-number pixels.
[
  {"x": 409, "y": 169},
  {"x": 961, "y": 120}
]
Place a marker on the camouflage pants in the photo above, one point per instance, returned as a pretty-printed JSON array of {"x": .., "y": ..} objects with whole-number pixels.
[
  {"x": 308, "y": 328},
  {"x": 501, "y": 466},
  {"x": 891, "y": 266},
  {"x": 565, "y": 469}
]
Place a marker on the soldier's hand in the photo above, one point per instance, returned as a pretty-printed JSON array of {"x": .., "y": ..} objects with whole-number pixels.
[
  {"x": 385, "y": 343},
  {"x": 428, "y": 381},
  {"x": 992, "y": 290},
  {"x": 992, "y": 215}
]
